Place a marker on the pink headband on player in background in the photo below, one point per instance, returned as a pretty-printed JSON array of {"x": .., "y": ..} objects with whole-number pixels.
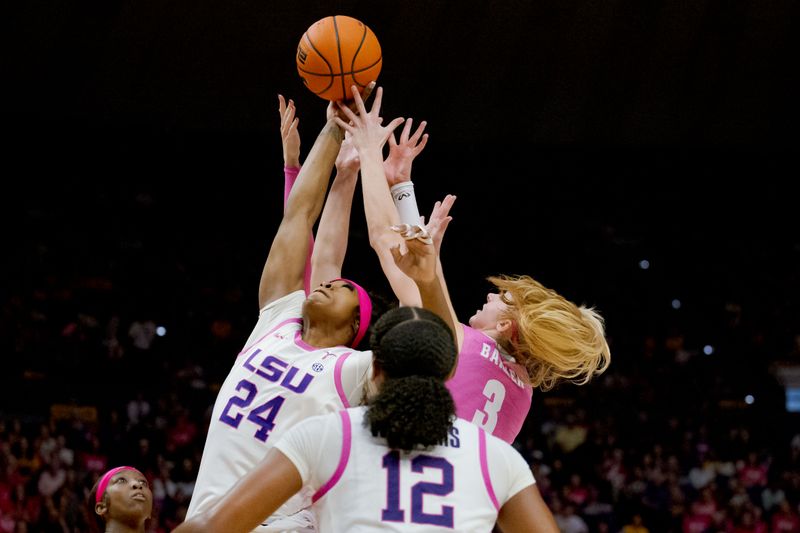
[
  {"x": 101, "y": 487},
  {"x": 364, "y": 308}
]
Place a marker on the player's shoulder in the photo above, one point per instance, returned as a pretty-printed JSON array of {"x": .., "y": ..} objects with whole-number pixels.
[
  {"x": 318, "y": 424},
  {"x": 355, "y": 414},
  {"x": 289, "y": 302}
]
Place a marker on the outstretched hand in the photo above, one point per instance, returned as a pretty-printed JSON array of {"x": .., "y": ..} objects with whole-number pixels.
[
  {"x": 290, "y": 137},
  {"x": 365, "y": 127},
  {"x": 333, "y": 110},
  {"x": 397, "y": 166},
  {"x": 347, "y": 162},
  {"x": 418, "y": 261},
  {"x": 439, "y": 220}
]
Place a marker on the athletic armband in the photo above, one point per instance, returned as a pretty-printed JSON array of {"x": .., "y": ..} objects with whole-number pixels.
[{"x": 406, "y": 203}]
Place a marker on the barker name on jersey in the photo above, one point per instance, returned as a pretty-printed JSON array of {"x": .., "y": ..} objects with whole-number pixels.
[{"x": 496, "y": 358}]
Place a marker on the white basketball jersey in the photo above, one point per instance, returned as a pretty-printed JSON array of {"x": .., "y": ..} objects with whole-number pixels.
[
  {"x": 277, "y": 381},
  {"x": 363, "y": 486}
]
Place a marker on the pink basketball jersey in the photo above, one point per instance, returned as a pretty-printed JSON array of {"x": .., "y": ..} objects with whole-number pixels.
[{"x": 489, "y": 391}]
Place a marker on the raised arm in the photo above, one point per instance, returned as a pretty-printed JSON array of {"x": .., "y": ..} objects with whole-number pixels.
[
  {"x": 369, "y": 137},
  {"x": 437, "y": 225},
  {"x": 331, "y": 245},
  {"x": 290, "y": 141},
  {"x": 285, "y": 266},
  {"x": 381, "y": 214},
  {"x": 397, "y": 170},
  {"x": 398, "y": 176}
]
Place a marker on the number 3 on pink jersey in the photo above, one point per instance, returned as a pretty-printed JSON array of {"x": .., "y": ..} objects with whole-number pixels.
[{"x": 487, "y": 417}]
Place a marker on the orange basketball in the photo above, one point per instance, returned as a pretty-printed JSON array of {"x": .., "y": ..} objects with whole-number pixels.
[{"x": 335, "y": 53}]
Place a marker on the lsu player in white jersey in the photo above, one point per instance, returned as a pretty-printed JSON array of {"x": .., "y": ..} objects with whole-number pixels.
[
  {"x": 402, "y": 463},
  {"x": 525, "y": 336},
  {"x": 300, "y": 359}
]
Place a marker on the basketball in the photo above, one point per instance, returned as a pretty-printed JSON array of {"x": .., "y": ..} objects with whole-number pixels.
[{"x": 335, "y": 53}]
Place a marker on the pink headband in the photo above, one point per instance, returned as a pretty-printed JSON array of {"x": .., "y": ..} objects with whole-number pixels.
[
  {"x": 101, "y": 487},
  {"x": 365, "y": 311}
]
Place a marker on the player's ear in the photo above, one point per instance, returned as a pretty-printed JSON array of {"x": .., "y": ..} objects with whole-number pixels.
[
  {"x": 100, "y": 508},
  {"x": 505, "y": 326}
]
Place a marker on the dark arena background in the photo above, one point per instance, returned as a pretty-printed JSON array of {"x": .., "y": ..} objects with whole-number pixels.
[{"x": 639, "y": 157}]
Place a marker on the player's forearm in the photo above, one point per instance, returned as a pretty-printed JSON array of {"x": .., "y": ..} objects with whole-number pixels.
[
  {"x": 379, "y": 209},
  {"x": 308, "y": 194},
  {"x": 286, "y": 263},
  {"x": 334, "y": 225},
  {"x": 381, "y": 214},
  {"x": 448, "y": 302},
  {"x": 289, "y": 177},
  {"x": 403, "y": 287},
  {"x": 434, "y": 299}
]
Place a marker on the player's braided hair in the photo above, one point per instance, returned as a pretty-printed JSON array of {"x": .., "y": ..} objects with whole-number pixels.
[{"x": 416, "y": 351}]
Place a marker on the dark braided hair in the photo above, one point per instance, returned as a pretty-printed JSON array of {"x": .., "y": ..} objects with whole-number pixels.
[{"x": 416, "y": 351}]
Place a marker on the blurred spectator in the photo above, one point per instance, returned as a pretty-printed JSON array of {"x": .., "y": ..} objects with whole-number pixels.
[
  {"x": 772, "y": 495},
  {"x": 142, "y": 334},
  {"x": 94, "y": 460},
  {"x": 567, "y": 520},
  {"x": 750, "y": 522},
  {"x": 785, "y": 519},
  {"x": 51, "y": 479},
  {"x": 753, "y": 474},
  {"x": 138, "y": 410},
  {"x": 570, "y": 434},
  {"x": 636, "y": 525}
]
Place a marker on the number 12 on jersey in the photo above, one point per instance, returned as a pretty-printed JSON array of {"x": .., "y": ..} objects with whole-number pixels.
[{"x": 395, "y": 513}]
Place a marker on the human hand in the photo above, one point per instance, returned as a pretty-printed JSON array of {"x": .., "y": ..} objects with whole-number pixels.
[
  {"x": 439, "y": 220},
  {"x": 333, "y": 107},
  {"x": 409, "y": 232},
  {"x": 290, "y": 137},
  {"x": 418, "y": 262},
  {"x": 365, "y": 127},
  {"x": 397, "y": 166},
  {"x": 347, "y": 162}
]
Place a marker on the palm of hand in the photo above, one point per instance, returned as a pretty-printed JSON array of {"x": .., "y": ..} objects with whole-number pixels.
[
  {"x": 419, "y": 260},
  {"x": 439, "y": 220},
  {"x": 397, "y": 166}
]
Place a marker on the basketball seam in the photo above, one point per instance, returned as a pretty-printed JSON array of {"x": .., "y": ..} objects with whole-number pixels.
[
  {"x": 304, "y": 71},
  {"x": 339, "y": 51},
  {"x": 311, "y": 44},
  {"x": 353, "y": 62}
]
